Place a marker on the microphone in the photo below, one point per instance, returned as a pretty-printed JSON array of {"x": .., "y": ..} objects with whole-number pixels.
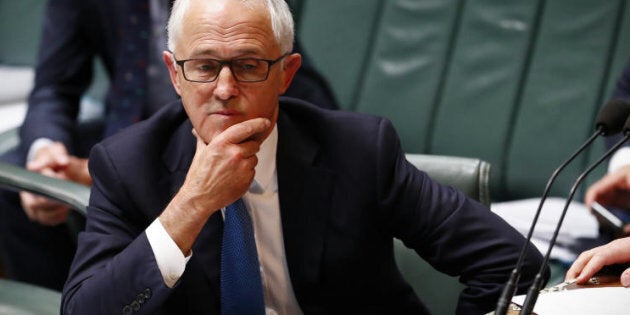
[
  {"x": 609, "y": 120},
  {"x": 534, "y": 290}
]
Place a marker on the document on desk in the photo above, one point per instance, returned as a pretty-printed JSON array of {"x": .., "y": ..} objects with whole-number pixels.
[
  {"x": 578, "y": 223},
  {"x": 587, "y": 301}
]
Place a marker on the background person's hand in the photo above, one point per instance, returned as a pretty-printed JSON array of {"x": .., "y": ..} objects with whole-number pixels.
[
  {"x": 53, "y": 160},
  {"x": 593, "y": 260},
  {"x": 612, "y": 190}
]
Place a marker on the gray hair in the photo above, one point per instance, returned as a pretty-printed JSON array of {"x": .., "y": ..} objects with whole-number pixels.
[{"x": 280, "y": 15}]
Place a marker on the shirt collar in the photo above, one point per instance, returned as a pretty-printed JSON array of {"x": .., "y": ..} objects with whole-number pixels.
[{"x": 266, "y": 167}]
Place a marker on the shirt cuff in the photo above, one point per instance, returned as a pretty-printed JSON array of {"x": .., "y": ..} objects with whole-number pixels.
[
  {"x": 35, "y": 146},
  {"x": 620, "y": 159},
  {"x": 168, "y": 256}
]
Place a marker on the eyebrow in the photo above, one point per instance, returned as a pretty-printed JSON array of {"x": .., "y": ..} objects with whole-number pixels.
[{"x": 212, "y": 52}]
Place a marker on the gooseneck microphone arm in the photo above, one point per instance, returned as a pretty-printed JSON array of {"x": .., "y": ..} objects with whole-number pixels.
[
  {"x": 534, "y": 290},
  {"x": 510, "y": 286},
  {"x": 609, "y": 120}
]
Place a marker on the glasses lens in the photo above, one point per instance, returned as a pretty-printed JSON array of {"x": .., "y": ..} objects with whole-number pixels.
[
  {"x": 202, "y": 69},
  {"x": 249, "y": 70}
]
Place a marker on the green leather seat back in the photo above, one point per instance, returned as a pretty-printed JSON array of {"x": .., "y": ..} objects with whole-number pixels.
[
  {"x": 515, "y": 83},
  {"x": 20, "y": 25},
  {"x": 18, "y": 298}
]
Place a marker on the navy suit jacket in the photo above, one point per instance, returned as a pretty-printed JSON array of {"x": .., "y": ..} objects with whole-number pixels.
[{"x": 345, "y": 189}]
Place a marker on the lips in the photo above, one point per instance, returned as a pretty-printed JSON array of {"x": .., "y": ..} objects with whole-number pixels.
[{"x": 225, "y": 112}]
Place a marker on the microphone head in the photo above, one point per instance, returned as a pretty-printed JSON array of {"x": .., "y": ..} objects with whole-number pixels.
[{"x": 612, "y": 116}]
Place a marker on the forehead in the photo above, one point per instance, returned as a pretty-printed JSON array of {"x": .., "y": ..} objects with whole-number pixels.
[{"x": 224, "y": 27}]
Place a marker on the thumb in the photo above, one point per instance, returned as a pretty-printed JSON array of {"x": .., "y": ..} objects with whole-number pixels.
[
  {"x": 60, "y": 155},
  {"x": 200, "y": 143},
  {"x": 625, "y": 278}
]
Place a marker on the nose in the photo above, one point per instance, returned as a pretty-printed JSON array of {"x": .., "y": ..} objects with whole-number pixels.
[{"x": 225, "y": 84}]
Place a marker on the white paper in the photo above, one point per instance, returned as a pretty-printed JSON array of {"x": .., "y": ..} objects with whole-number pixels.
[
  {"x": 578, "y": 223},
  {"x": 590, "y": 301}
]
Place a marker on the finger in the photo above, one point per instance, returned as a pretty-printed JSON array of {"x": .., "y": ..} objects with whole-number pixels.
[
  {"x": 595, "y": 264},
  {"x": 77, "y": 171},
  {"x": 27, "y": 201},
  {"x": 53, "y": 216},
  {"x": 580, "y": 265},
  {"x": 249, "y": 130},
  {"x": 248, "y": 149},
  {"x": 53, "y": 155},
  {"x": 625, "y": 278},
  {"x": 35, "y": 201},
  {"x": 200, "y": 143},
  {"x": 59, "y": 154},
  {"x": 46, "y": 203},
  {"x": 601, "y": 187},
  {"x": 609, "y": 184},
  {"x": 61, "y": 174},
  {"x": 577, "y": 266}
]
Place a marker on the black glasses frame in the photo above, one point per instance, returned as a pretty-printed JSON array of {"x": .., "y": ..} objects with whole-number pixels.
[{"x": 223, "y": 63}]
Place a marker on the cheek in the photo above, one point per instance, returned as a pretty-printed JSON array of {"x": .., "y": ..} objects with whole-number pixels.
[
  {"x": 263, "y": 101},
  {"x": 195, "y": 96},
  {"x": 262, "y": 105}
]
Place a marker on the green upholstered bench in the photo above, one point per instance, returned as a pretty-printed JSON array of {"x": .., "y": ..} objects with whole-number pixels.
[
  {"x": 17, "y": 298},
  {"x": 514, "y": 83}
]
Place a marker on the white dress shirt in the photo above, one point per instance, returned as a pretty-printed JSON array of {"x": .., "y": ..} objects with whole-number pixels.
[
  {"x": 619, "y": 159},
  {"x": 264, "y": 209}
]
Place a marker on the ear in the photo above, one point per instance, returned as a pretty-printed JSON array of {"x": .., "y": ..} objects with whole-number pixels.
[
  {"x": 291, "y": 63},
  {"x": 169, "y": 60}
]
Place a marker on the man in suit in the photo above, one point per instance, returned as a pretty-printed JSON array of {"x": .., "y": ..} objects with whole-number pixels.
[
  {"x": 128, "y": 37},
  {"x": 326, "y": 193}
]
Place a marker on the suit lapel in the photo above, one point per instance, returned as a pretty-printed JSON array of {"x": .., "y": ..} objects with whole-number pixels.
[
  {"x": 305, "y": 192},
  {"x": 207, "y": 249}
]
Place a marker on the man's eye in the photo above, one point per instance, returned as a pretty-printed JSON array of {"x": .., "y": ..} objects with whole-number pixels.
[
  {"x": 248, "y": 65},
  {"x": 206, "y": 67}
]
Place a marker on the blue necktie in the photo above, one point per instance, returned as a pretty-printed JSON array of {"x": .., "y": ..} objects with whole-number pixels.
[{"x": 241, "y": 285}]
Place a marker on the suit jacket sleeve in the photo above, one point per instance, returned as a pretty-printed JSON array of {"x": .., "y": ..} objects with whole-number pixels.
[
  {"x": 456, "y": 235},
  {"x": 63, "y": 73},
  {"x": 114, "y": 255}
]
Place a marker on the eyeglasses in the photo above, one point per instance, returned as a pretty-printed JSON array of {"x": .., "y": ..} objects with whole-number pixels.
[{"x": 244, "y": 70}]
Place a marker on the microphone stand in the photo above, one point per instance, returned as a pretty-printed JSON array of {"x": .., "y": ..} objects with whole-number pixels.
[
  {"x": 534, "y": 290},
  {"x": 510, "y": 286},
  {"x": 610, "y": 119}
]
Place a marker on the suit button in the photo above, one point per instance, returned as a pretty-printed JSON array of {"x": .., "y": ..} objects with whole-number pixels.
[
  {"x": 140, "y": 298},
  {"x": 147, "y": 293},
  {"x": 135, "y": 306},
  {"x": 127, "y": 310}
]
